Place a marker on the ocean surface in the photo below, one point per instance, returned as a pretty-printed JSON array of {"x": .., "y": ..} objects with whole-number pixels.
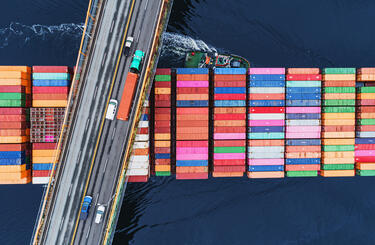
[{"x": 293, "y": 33}]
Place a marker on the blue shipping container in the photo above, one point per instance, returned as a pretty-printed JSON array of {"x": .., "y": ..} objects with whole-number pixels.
[
  {"x": 191, "y": 163},
  {"x": 228, "y": 90},
  {"x": 264, "y": 168},
  {"x": 230, "y": 103},
  {"x": 258, "y": 129},
  {"x": 192, "y": 103},
  {"x": 225, "y": 71},
  {"x": 267, "y": 77},
  {"x": 295, "y": 161},
  {"x": 365, "y": 140},
  {"x": 303, "y": 102},
  {"x": 12, "y": 154},
  {"x": 192, "y": 71},
  {"x": 302, "y": 116},
  {"x": 304, "y": 90},
  {"x": 306, "y": 96},
  {"x": 266, "y": 102},
  {"x": 43, "y": 166},
  {"x": 162, "y": 155},
  {"x": 302, "y": 142},
  {"x": 267, "y": 84},
  {"x": 51, "y": 83}
]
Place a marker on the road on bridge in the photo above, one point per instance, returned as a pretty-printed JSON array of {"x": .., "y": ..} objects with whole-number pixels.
[{"x": 96, "y": 146}]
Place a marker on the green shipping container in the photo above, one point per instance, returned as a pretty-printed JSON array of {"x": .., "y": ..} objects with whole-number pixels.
[
  {"x": 302, "y": 173},
  {"x": 334, "y": 148},
  {"x": 338, "y": 109},
  {"x": 337, "y": 166},
  {"x": 367, "y": 89},
  {"x": 162, "y": 78},
  {"x": 366, "y": 121},
  {"x": 365, "y": 172},
  {"x": 162, "y": 173},
  {"x": 12, "y": 96},
  {"x": 330, "y": 90},
  {"x": 305, "y": 84},
  {"x": 338, "y": 102},
  {"x": 12, "y": 103},
  {"x": 230, "y": 149},
  {"x": 339, "y": 71}
]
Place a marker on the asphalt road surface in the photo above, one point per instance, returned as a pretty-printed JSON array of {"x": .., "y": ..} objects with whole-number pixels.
[{"x": 87, "y": 164}]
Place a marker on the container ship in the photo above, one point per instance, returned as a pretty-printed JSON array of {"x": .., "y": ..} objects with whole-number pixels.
[{"x": 207, "y": 122}]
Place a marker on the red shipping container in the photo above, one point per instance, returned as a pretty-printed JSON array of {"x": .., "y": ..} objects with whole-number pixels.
[
  {"x": 162, "y": 130},
  {"x": 162, "y": 123},
  {"x": 12, "y": 89},
  {"x": 338, "y": 83},
  {"x": 52, "y": 69},
  {"x": 191, "y": 110},
  {"x": 50, "y": 90},
  {"x": 199, "y": 143},
  {"x": 142, "y": 131},
  {"x": 267, "y": 109},
  {"x": 12, "y": 111},
  {"x": 162, "y": 111},
  {"x": 229, "y": 116},
  {"x": 163, "y": 71},
  {"x": 229, "y": 143},
  {"x": 366, "y": 109},
  {"x": 229, "y": 162},
  {"x": 364, "y": 128},
  {"x": 192, "y": 90},
  {"x": 138, "y": 178},
  {"x": 162, "y": 84},
  {"x": 162, "y": 117},
  {"x": 41, "y": 173},
  {"x": 13, "y": 125},
  {"x": 44, "y": 146},
  {"x": 307, "y": 148},
  {"x": 365, "y": 159},
  {"x": 50, "y": 96},
  {"x": 191, "y": 176},
  {"x": 342, "y": 128},
  {"x": 230, "y": 130},
  {"x": 230, "y": 84},
  {"x": 192, "y": 123},
  {"x": 230, "y": 77},
  {"x": 365, "y": 147},
  {"x": 163, "y": 103},
  {"x": 304, "y": 77},
  {"x": 13, "y": 147},
  {"x": 192, "y": 77},
  {"x": 230, "y": 168},
  {"x": 230, "y": 97},
  {"x": 166, "y": 97},
  {"x": 159, "y": 150},
  {"x": 302, "y": 167},
  {"x": 162, "y": 161}
]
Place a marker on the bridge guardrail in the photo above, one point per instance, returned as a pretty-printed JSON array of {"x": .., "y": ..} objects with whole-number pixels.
[
  {"x": 88, "y": 31},
  {"x": 154, "y": 54}
]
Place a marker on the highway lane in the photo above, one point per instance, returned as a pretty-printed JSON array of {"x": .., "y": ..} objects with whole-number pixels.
[
  {"x": 109, "y": 158},
  {"x": 70, "y": 188}
]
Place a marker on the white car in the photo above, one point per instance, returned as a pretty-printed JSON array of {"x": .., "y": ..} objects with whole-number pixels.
[
  {"x": 128, "y": 45},
  {"x": 99, "y": 214},
  {"x": 111, "y": 110}
]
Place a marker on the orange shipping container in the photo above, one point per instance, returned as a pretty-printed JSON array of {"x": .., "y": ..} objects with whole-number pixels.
[
  {"x": 340, "y": 77},
  {"x": 140, "y": 151},
  {"x": 15, "y": 176},
  {"x": 269, "y": 174},
  {"x": 338, "y": 115},
  {"x": 345, "y": 128},
  {"x": 340, "y": 135},
  {"x": 337, "y": 173},
  {"x": 160, "y": 168},
  {"x": 127, "y": 96},
  {"x": 229, "y": 123},
  {"x": 162, "y": 117},
  {"x": 368, "y": 70},
  {"x": 162, "y": 161},
  {"x": 14, "y": 74},
  {"x": 368, "y": 115},
  {"x": 339, "y": 83},
  {"x": 338, "y": 154},
  {"x": 25, "y": 69},
  {"x": 44, "y": 153},
  {"x": 366, "y": 77},
  {"x": 192, "y": 97},
  {"x": 50, "y": 103},
  {"x": 338, "y": 141},
  {"x": 14, "y": 139},
  {"x": 313, "y": 71},
  {"x": 304, "y": 148},
  {"x": 12, "y": 118},
  {"x": 50, "y": 96},
  {"x": 14, "y": 132},
  {"x": 339, "y": 96},
  {"x": 266, "y": 142},
  {"x": 162, "y": 143},
  {"x": 12, "y": 81},
  {"x": 231, "y": 77},
  {"x": 192, "y": 117},
  {"x": 13, "y": 147},
  {"x": 348, "y": 160},
  {"x": 338, "y": 122},
  {"x": 365, "y": 166},
  {"x": 192, "y": 130},
  {"x": 50, "y": 159},
  {"x": 366, "y": 96},
  {"x": 12, "y": 168},
  {"x": 200, "y": 169},
  {"x": 191, "y": 136},
  {"x": 165, "y": 136},
  {"x": 192, "y": 77},
  {"x": 192, "y": 123},
  {"x": 302, "y": 155},
  {"x": 227, "y": 174},
  {"x": 229, "y": 110},
  {"x": 162, "y": 90},
  {"x": 192, "y": 110}
]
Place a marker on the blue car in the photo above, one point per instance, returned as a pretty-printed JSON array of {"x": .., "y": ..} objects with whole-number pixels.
[{"x": 85, "y": 207}]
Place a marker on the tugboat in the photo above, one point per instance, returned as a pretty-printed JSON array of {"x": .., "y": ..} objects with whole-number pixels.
[{"x": 197, "y": 59}]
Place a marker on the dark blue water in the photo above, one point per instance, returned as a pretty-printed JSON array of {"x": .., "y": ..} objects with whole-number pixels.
[{"x": 297, "y": 33}]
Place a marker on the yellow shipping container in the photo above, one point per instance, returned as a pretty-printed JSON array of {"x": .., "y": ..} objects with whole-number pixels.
[
  {"x": 365, "y": 166},
  {"x": 14, "y": 74},
  {"x": 366, "y": 77},
  {"x": 43, "y": 159},
  {"x": 340, "y": 135},
  {"x": 338, "y": 122},
  {"x": 227, "y": 174},
  {"x": 12, "y": 168},
  {"x": 268, "y": 174},
  {"x": 368, "y": 115},
  {"x": 50, "y": 103},
  {"x": 338, "y": 141},
  {"x": 14, "y": 139},
  {"x": 338, "y": 115},
  {"x": 159, "y": 143},
  {"x": 337, "y": 173},
  {"x": 339, "y": 77},
  {"x": 15, "y": 175},
  {"x": 229, "y": 123},
  {"x": 338, "y": 96},
  {"x": 26, "y": 69},
  {"x": 44, "y": 153},
  {"x": 162, "y": 91},
  {"x": 366, "y": 96},
  {"x": 166, "y": 136},
  {"x": 16, "y": 82},
  {"x": 160, "y": 168},
  {"x": 343, "y": 160},
  {"x": 338, "y": 154},
  {"x": 192, "y": 97}
]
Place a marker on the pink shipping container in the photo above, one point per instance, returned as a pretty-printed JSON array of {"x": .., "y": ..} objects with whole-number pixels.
[
  {"x": 230, "y": 136},
  {"x": 219, "y": 156},
  {"x": 303, "y": 110},
  {"x": 192, "y": 150},
  {"x": 191, "y": 156},
  {"x": 265, "y": 161},
  {"x": 304, "y": 129},
  {"x": 364, "y": 153},
  {"x": 311, "y": 135},
  {"x": 267, "y": 71},
  {"x": 51, "y": 69},
  {"x": 191, "y": 143},
  {"x": 253, "y": 123},
  {"x": 192, "y": 84}
]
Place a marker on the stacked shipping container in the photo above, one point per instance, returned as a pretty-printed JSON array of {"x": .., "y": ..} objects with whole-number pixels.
[
  {"x": 51, "y": 86},
  {"x": 229, "y": 122},
  {"x": 139, "y": 164},
  {"x": 303, "y": 114},
  {"x": 192, "y": 123},
  {"x": 162, "y": 122},
  {"x": 15, "y": 86},
  {"x": 338, "y": 120},
  {"x": 43, "y": 156},
  {"x": 266, "y": 123},
  {"x": 365, "y": 130}
]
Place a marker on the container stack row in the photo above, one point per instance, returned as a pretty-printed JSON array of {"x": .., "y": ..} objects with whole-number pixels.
[
  {"x": 43, "y": 157},
  {"x": 303, "y": 122},
  {"x": 266, "y": 125},
  {"x": 51, "y": 86},
  {"x": 15, "y": 86},
  {"x": 365, "y": 130},
  {"x": 139, "y": 164},
  {"x": 229, "y": 117},
  {"x": 162, "y": 122},
  {"x": 338, "y": 121},
  {"x": 192, "y": 91}
]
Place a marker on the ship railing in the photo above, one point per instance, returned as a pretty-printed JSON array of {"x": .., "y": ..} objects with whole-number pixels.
[{"x": 89, "y": 30}]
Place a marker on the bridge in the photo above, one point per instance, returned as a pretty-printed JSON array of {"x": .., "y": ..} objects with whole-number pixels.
[{"x": 93, "y": 152}]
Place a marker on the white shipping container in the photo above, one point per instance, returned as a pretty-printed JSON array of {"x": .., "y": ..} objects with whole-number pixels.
[
  {"x": 309, "y": 122},
  {"x": 139, "y": 158},
  {"x": 141, "y": 145},
  {"x": 133, "y": 165},
  {"x": 40, "y": 180},
  {"x": 368, "y": 134},
  {"x": 267, "y": 116},
  {"x": 141, "y": 137},
  {"x": 146, "y": 103},
  {"x": 266, "y": 149},
  {"x": 267, "y": 90},
  {"x": 143, "y": 124},
  {"x": 137, "y": 172},
  {"x": 262, "y": 155}
]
